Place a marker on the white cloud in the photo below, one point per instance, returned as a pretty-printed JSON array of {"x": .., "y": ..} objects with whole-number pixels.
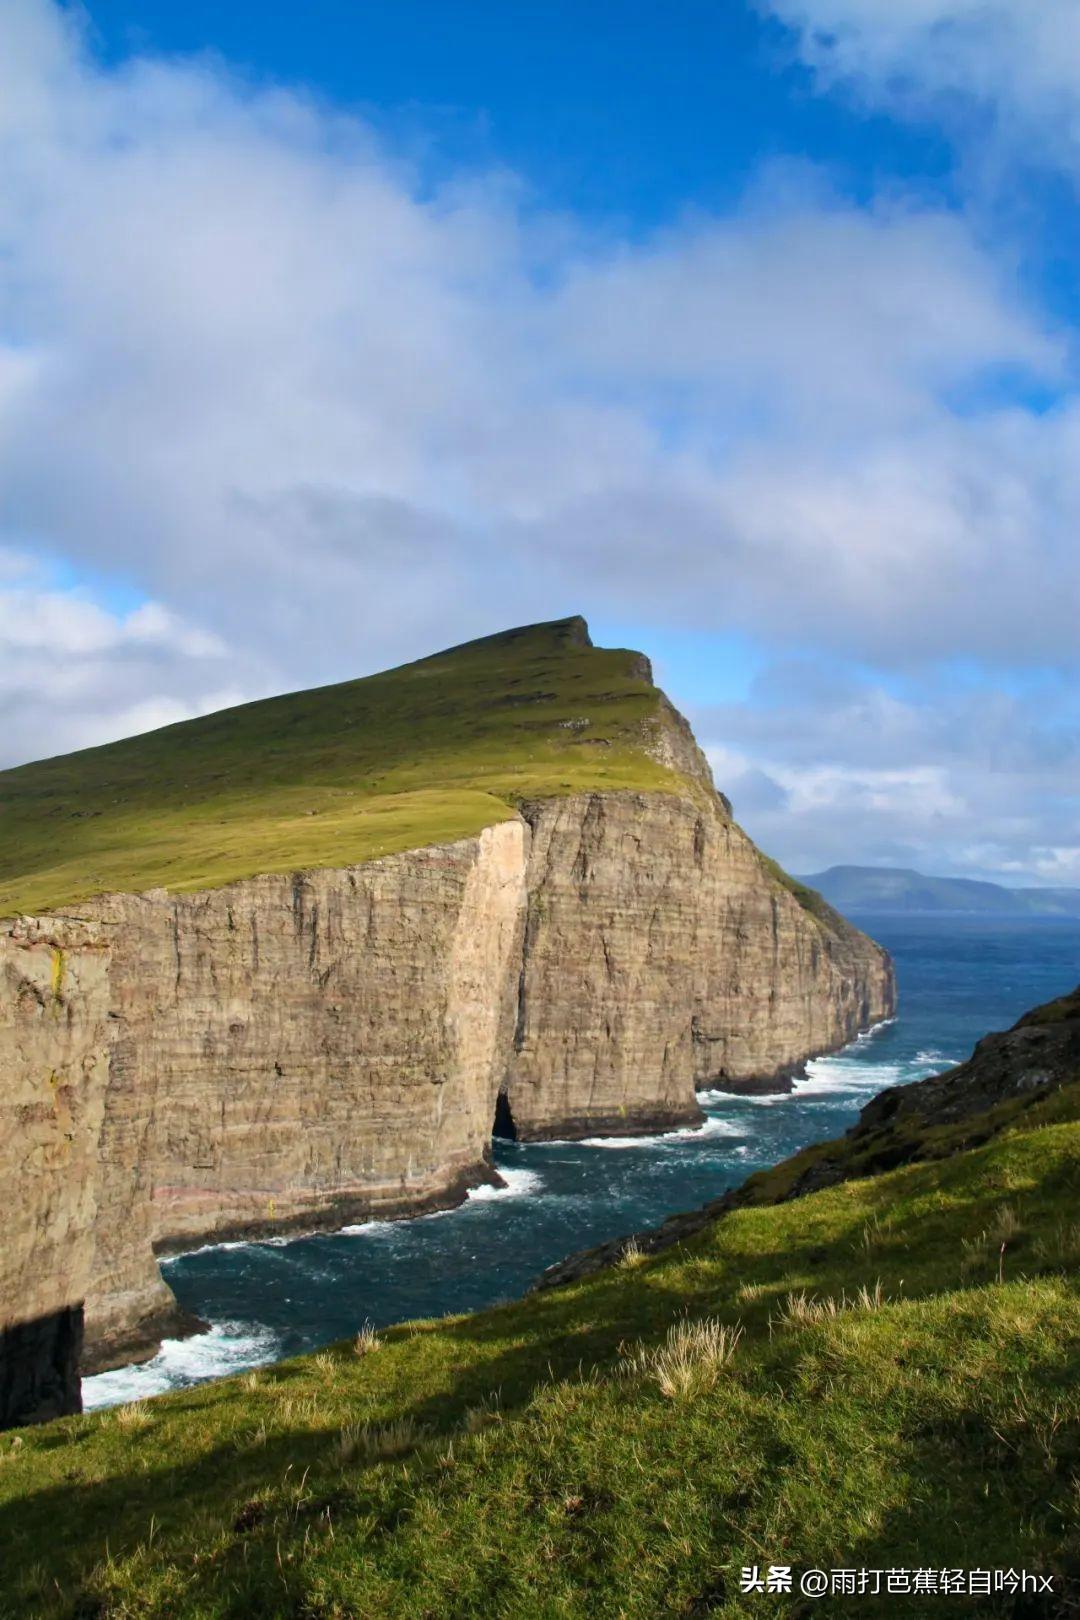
[
  {"x": 1018, "y": 58},
  {"x": 309, "y": 408},
  {"x": 69, "y": 667},
  {"x": 327, "y": 419},
  {"x": 811, "y": 315},
  {"x": 948, "y": 778}
]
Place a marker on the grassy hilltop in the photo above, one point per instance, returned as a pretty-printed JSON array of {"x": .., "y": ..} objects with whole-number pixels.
[
  {"x": 883, "y": 1373},
  {"x": 430, "y": 752}
]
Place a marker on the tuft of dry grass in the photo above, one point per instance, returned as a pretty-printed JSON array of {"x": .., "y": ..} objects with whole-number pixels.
[
  {"x": 482, "y": 1415},
  {"x": 1005, "y": 1226},
  {"x": 134, "y": 1416},
  {"x": 750, "y": 1292},
  {"x": 1059, "y": 1249},
  {"x": 690, "y": 1359},
  {"x": 872, "y": 1236},
  {"x": 977, "y": 1252},
  {"x": 802, "y": 1308},
  {"x": 366, "y": 1341},
  {"x": 375, "y": 1442},
  {"x": 299, "y": 1409},
  {"x": 974, "y": 1254},
  {"x": 632, "y": 1253}
]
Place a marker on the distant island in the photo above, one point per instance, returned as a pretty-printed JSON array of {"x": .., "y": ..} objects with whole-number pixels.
[{"x": 896, "y": 888}]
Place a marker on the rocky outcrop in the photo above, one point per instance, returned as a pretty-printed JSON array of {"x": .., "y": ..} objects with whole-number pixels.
[
  {"x": 1039, "y": 1053},
  {"x": 40, "y": 1376},
  {"x": 296, "y": 1051}
]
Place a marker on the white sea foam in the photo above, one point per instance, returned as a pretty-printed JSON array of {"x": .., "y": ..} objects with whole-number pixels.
[
  {"x": 205, "y": 1248},
  {"x": 865, "y": 1035},
  {"x": 848, "y": 1072},
  {"x": 712, "y": 1126},
  {"x": 834, "y": 1076},
  {"x": 228, "y": 1347},
  {"x": 825, "y": 1077},
  {"x": 519, "y": 1184},
  {"x": 620, "y": 1141}
]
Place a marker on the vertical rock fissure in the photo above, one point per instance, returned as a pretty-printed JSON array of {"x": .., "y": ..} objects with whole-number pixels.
[
  {"x": 39, "y": 1367},
  {"x": 519, "y": 1019},
  {"x": 532, "y": 901}
]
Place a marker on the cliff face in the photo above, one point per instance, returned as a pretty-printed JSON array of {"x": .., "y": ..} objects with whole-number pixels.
[
  {"x": 659, "y": 958},
  {"x": 295, "y": 1052},
  {"x": 53, "y": 1078},
  {"x": 279, "y": 1053}
]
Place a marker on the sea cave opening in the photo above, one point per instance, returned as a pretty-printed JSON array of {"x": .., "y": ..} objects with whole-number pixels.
[{"x": 504, "y": 1126}]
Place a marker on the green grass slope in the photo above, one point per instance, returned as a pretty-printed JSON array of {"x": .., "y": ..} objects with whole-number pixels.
[
  {"x": 427, "y": 753},
  {"x": 902, "y": 1392}
]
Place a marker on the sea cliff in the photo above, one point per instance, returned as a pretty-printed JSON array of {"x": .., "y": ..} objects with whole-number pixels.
[{"x": 299, "y": 1048}]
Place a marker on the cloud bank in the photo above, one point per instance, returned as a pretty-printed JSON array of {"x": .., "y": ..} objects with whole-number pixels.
[{"x": 315, "y": 416}]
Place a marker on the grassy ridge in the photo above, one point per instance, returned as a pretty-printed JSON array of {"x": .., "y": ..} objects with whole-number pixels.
[
  {"x": 904, "y": 1393},
  {"x": 423, "y": 754}
]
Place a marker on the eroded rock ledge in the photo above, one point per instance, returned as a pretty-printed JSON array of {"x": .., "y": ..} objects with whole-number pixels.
[{"x": 294, "y": 1052}]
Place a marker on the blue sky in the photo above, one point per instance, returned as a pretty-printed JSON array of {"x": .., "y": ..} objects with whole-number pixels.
[
  {"x": 626, "y": 112},
  {"x": 331, "y": 335}
]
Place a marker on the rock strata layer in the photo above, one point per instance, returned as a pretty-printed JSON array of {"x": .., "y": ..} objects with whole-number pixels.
[
  {"x": 660, "y": 958},
  {"x": 294, "y": 1052}
]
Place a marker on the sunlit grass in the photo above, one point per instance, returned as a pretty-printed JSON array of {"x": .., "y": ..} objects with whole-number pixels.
[
  {"x": 775, "y": 1390},
  {"x": 425, "y": 754}
]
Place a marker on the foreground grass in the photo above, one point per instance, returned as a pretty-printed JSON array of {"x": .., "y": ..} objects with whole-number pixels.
[
  {"x": 424, "y": 754},
  {"x": 885, "y": 1373}
]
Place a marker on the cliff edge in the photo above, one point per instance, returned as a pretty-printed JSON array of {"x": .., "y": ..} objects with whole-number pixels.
[{"x": 285, "y": 966}]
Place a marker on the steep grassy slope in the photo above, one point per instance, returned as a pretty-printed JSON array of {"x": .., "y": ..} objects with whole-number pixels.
[
  {"x": 427, "y": 753},
  {"x": 904, "y": 1393}
]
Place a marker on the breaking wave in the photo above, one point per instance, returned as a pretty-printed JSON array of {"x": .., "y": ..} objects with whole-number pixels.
[
  {"x": 850, "y": 1072},
  {"x": 229, "y": 1347},
  {"x": 519, "y": 1184},
  {"x": 712, "y": 1126}
]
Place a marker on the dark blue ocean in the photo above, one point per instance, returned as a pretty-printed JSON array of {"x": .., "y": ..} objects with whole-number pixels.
[{"x": 959, "y": 977}]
